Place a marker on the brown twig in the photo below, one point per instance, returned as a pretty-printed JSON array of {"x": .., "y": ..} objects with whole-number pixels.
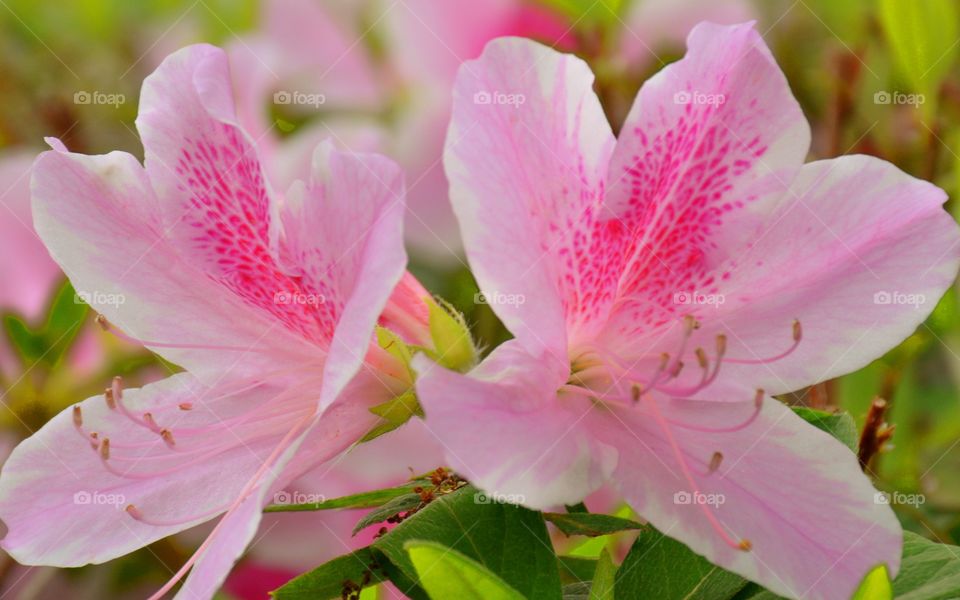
[{"x": 876, "y": 433}]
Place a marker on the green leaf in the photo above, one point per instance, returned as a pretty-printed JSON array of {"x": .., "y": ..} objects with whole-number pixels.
[
  {"x": 509, "y": 540},
  {"x": 396, "y": 506},
  {"x": 840, "y": 425},
  {"x": 362, "y": 500},
  {"x": 663, "y": 568},
  {"x": 922, "y": 35},
  {"x": 445, "y": 573},
  {"x": 583, "y": 13},
  {"x": 590, "y": 524},
  {"x": 875, "y": 586},
  {"x": 329, "y": 579},
  {"x": 67, "y": 313},
  {"x": 29, "y": 346},
  {"x": 603, "y": 578},
  {"x": 394, "y": 412},
  {"x": 575, "y": 569},
  {"x": 928, "y": 571}
]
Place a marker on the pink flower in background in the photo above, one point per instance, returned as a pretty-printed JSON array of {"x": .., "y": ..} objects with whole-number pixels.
[
  {"x": 270, "y": 307},
  {"x": 317, "y": 59},
  {"x": 656, "y": 285}
]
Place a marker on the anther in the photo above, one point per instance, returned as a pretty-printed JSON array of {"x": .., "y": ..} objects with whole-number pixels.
[
  {"x": 675, "y": 372},
  {"x": 185, "y": 406},
  {"x": 134, "y": 512},
  {"x": 715, "y": 461},
  {"x": 103, "y": 322},
  {"x": 105, "y": 449},
  {"x": 77, "y": 417},
  {"x": 110, "y": 398},
  {"x": 117, "y": 387},
  {"x": 702, "y": 358},
  {"x": 148, "y": 419},
  {"x": 167, "y": 437},
  {"x": 745, "y": 545},
  {"x": 721, "y": 345},
  {"x": 758, "y": 399},
  {"x": 690, "y": 323},
  {"x": 635, "y": 392},
  {"x": 797, "y": 330}
]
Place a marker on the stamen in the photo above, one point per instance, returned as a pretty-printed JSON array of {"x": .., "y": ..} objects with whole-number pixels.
[
  {"x": 742, "y": 544},
  {"x": 167, "y": 437},
  {"x": 797, "y": 334},
  {"x": 105, "y": 449},
  {"x": 715, "y": 461},
  {"x": 77, "y": 417},
  {"x": 111, "y": 401},
  {"x": 138, "y": 515},
  {"x": 247, "y": 489},
  {"x": 758, "y": 406},
  {"x": 635, "y": 392},
  {"x": 185, "y": 406}
]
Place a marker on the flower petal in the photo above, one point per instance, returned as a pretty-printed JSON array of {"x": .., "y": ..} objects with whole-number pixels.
[
  {"x": 96, "y": 216},
  {"x": 214, "y": 201},
  {"x": 65, "y": 506},
  {"x": 505, "y": 430},
  {"x": 344, "y": 240},
  {"x": 709, "y": 139},
  {"x": 526, "y": 155},
  {"x": 859, "y": 252},
  {"x": 795, "y": 493}
]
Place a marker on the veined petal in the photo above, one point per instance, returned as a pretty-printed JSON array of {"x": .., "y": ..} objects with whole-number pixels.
[
  {"x": 506, "y": 431},
  {"x": 709, "y": 142},
  {"x": 64, "y": 500},
  {"x": 526, "y": 156},
  {"x": 859, "y": 252},
  {"x": 96, "y": 216},
  {"x": 795, "y": 494},
  {"x": 213, "y": 198},
  {"x": 344, "y": 243}
]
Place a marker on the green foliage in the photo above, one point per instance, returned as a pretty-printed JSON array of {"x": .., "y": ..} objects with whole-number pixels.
[
  {"x": 445, "y": 573},
  {"x": 839, "y": 425},
  {"x": 875, "y": 586},
  {"x": 590, "y": 524},
  {"x": 51, "y": 341},
  {"x": 663, "y": 568},
  {"x": 362, "y": 500},
  {"x": 922, "y": 35},
  {"x": 327, "y": 580},
  {"x": 929, "y": 571}
]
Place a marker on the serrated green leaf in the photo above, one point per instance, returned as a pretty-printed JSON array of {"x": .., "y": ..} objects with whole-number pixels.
[
  {"x": 327, "y": 581},
  {"x": 445, "y": 573},
  {"x": 509, "y": 540},
  {"x": 363, "y": 500},
  {"x": 590, "y": 524},
  {"x": 928, "y": 571},
  {"x": 663, "y": 568},
  {"x": 840, "y": 425},
  {"x": 392, "y": 508},
  {"x": 604, "y": 577}
]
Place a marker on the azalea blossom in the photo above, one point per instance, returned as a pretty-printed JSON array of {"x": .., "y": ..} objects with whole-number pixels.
[
  {"x": 666, "y": 284},
  {"x": 268, "y": 302}
]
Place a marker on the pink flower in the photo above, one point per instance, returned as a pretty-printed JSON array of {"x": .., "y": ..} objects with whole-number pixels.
[
  {"x": 656, "y": 284},
  {"x": 269, "y": 304}
]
